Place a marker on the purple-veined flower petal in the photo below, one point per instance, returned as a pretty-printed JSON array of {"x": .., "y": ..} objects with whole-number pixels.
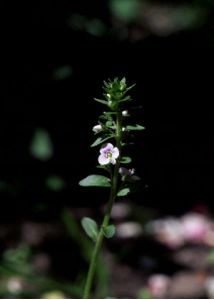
[
  {"x": 103, "y": 160},
  {"x": 108, "y": 148}
]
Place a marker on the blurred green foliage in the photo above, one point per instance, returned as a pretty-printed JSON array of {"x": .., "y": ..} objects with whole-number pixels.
[
  {"x": 55, "y": 183},
  {"x": 63, "y": 72},
  {"x": 21, "y": 279},
  {"x": 41, "y": 145},
  {"x": 125, "y": 10}
]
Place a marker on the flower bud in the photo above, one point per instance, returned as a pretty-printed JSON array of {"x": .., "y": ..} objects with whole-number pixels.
[
  {"x": 125, "y": 113},
  {"x": 97, "y": 128}
]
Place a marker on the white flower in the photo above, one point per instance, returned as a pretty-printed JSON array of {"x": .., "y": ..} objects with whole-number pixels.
[
  {"x": 125, "y": 113},
  {"x": 108, "y": 154},
  {"x": 97, "y": 128}
]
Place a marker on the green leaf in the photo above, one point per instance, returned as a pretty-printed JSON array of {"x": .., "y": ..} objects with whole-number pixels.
[
  {"x": 123, "y": 81},
  {"x": 102, "y": 101},
  {"x": 125, "y": 160},
  {"x": 95, "y": 180},
  {"x": 41, "y": 146},
  {"x": 123, "y": 192},
  {"x": 100, "y": 140},
  {"x": 130, "y": 87},
  {"x": 128, "y": 98},
  {"x": 109, "y": 113},
  {"x": 90, "y": 227},
  {"x": 109, "y": 231},
  {"x": 110, "y": 123},
  {"x": 136, "y": 127}
]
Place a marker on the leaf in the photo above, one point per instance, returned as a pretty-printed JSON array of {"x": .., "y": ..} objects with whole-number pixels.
[
  {"x": 123, "y": 192},
  {"x": 128, "y": 98},
  {"x": 90, "y": 227},
  {"x": 95, "y": 180},
  {"x": 109, "y": 123},
  {"x": 100, "y": 140},
  {"x": 41, "y": 146},
  {"x": 136, "y": 127},
  {"x": 123, "y": 80},
  {"x": 102, "y": 101},
  {"x": 109, "y": 113},
  {"x": 130, "y": 87},
  {"x": 125, "y": 160},
  {"x": 109, "y": 231}
]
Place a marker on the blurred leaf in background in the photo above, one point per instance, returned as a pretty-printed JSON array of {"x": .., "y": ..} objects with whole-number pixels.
[
  {"x": 125, "y": 10},
  {"x": 55, "y": 183},
  {"x": 166, "y": 19},
  {"x": 93, "y": 26},
  {"x": 63, "y": 72},
  {"x": 41, "y": 145},
  {"x": 18, "y": 259}
]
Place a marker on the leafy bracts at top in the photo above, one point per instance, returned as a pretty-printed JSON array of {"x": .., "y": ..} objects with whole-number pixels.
[
  {"x": 115, "y": 93},
  {"x": 112, "y": 130}
]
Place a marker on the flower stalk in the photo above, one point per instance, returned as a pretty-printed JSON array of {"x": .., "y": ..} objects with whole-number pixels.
[{"x": 110, "y": 127}]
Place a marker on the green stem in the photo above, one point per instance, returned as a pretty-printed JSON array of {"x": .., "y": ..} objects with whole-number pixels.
[{"x": 113, "y": 194}]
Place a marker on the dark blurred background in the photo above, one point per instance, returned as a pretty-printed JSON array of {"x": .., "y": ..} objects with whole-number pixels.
[{"x": 55, "y": 56}]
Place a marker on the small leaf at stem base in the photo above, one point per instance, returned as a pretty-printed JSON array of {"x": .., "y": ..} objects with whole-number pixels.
[{"x": 90, "y": 227}]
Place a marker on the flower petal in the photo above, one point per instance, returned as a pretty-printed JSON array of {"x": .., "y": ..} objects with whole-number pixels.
[
  {"x": 115, "y": 152},
  {"x": 113, "y": 161},
  {"x": 97, "y": 128},
  {"x": 103, "y": 160},
  {"x": 108, "y": 148}
]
